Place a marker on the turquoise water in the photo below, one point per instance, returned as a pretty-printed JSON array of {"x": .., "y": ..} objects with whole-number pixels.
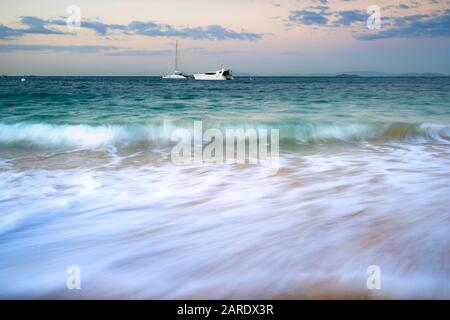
[
  {"x": 86, "y": 178},
  {"x": 304, "y": 109}
]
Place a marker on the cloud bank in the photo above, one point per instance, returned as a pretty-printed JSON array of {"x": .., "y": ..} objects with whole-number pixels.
[
  {"x": 35, "y": 25},
  {"x": 436, "y": 24}
]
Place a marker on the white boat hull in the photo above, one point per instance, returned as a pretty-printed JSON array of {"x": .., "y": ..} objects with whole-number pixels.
[
  {"x": 203, "y": 77},
  {"x": 174, "y": 76}
]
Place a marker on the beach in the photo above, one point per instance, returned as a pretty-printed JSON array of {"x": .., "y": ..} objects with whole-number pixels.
[{"x": 87, "y": 179}]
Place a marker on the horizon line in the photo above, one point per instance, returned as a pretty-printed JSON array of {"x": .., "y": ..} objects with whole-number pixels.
[{"x": 310, "y": 75}]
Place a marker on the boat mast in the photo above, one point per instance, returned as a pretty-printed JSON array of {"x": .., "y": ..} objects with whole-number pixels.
[{"x": 176, "y": 55}]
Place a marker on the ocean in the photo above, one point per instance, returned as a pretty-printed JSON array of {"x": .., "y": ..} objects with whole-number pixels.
[{"x": 87, "y": 180}]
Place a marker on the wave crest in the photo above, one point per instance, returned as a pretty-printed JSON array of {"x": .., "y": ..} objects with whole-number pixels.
[
  {"x": 86, "y": 136},
  {"x": 354, "y": 132}
]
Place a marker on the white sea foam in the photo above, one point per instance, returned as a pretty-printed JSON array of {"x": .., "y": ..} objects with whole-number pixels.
[{"x": 217, "y": 231}]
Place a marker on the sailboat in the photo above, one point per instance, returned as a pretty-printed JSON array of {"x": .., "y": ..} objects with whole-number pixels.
[{"x": 176, "y": 74}]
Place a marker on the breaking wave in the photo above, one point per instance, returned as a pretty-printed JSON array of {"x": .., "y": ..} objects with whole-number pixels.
[{"x": 87, "y": 136}]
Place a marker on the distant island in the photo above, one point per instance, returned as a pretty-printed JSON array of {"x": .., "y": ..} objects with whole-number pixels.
[
  {"x": 346, "y": 75},
  {"x": 374, "y": 74}
]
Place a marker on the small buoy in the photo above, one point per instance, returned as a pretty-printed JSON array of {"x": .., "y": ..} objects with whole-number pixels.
[{"x": 23, "y": 79}]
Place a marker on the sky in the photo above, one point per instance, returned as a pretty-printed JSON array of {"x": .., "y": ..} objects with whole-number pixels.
[{"x": 261, "y": 37}]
